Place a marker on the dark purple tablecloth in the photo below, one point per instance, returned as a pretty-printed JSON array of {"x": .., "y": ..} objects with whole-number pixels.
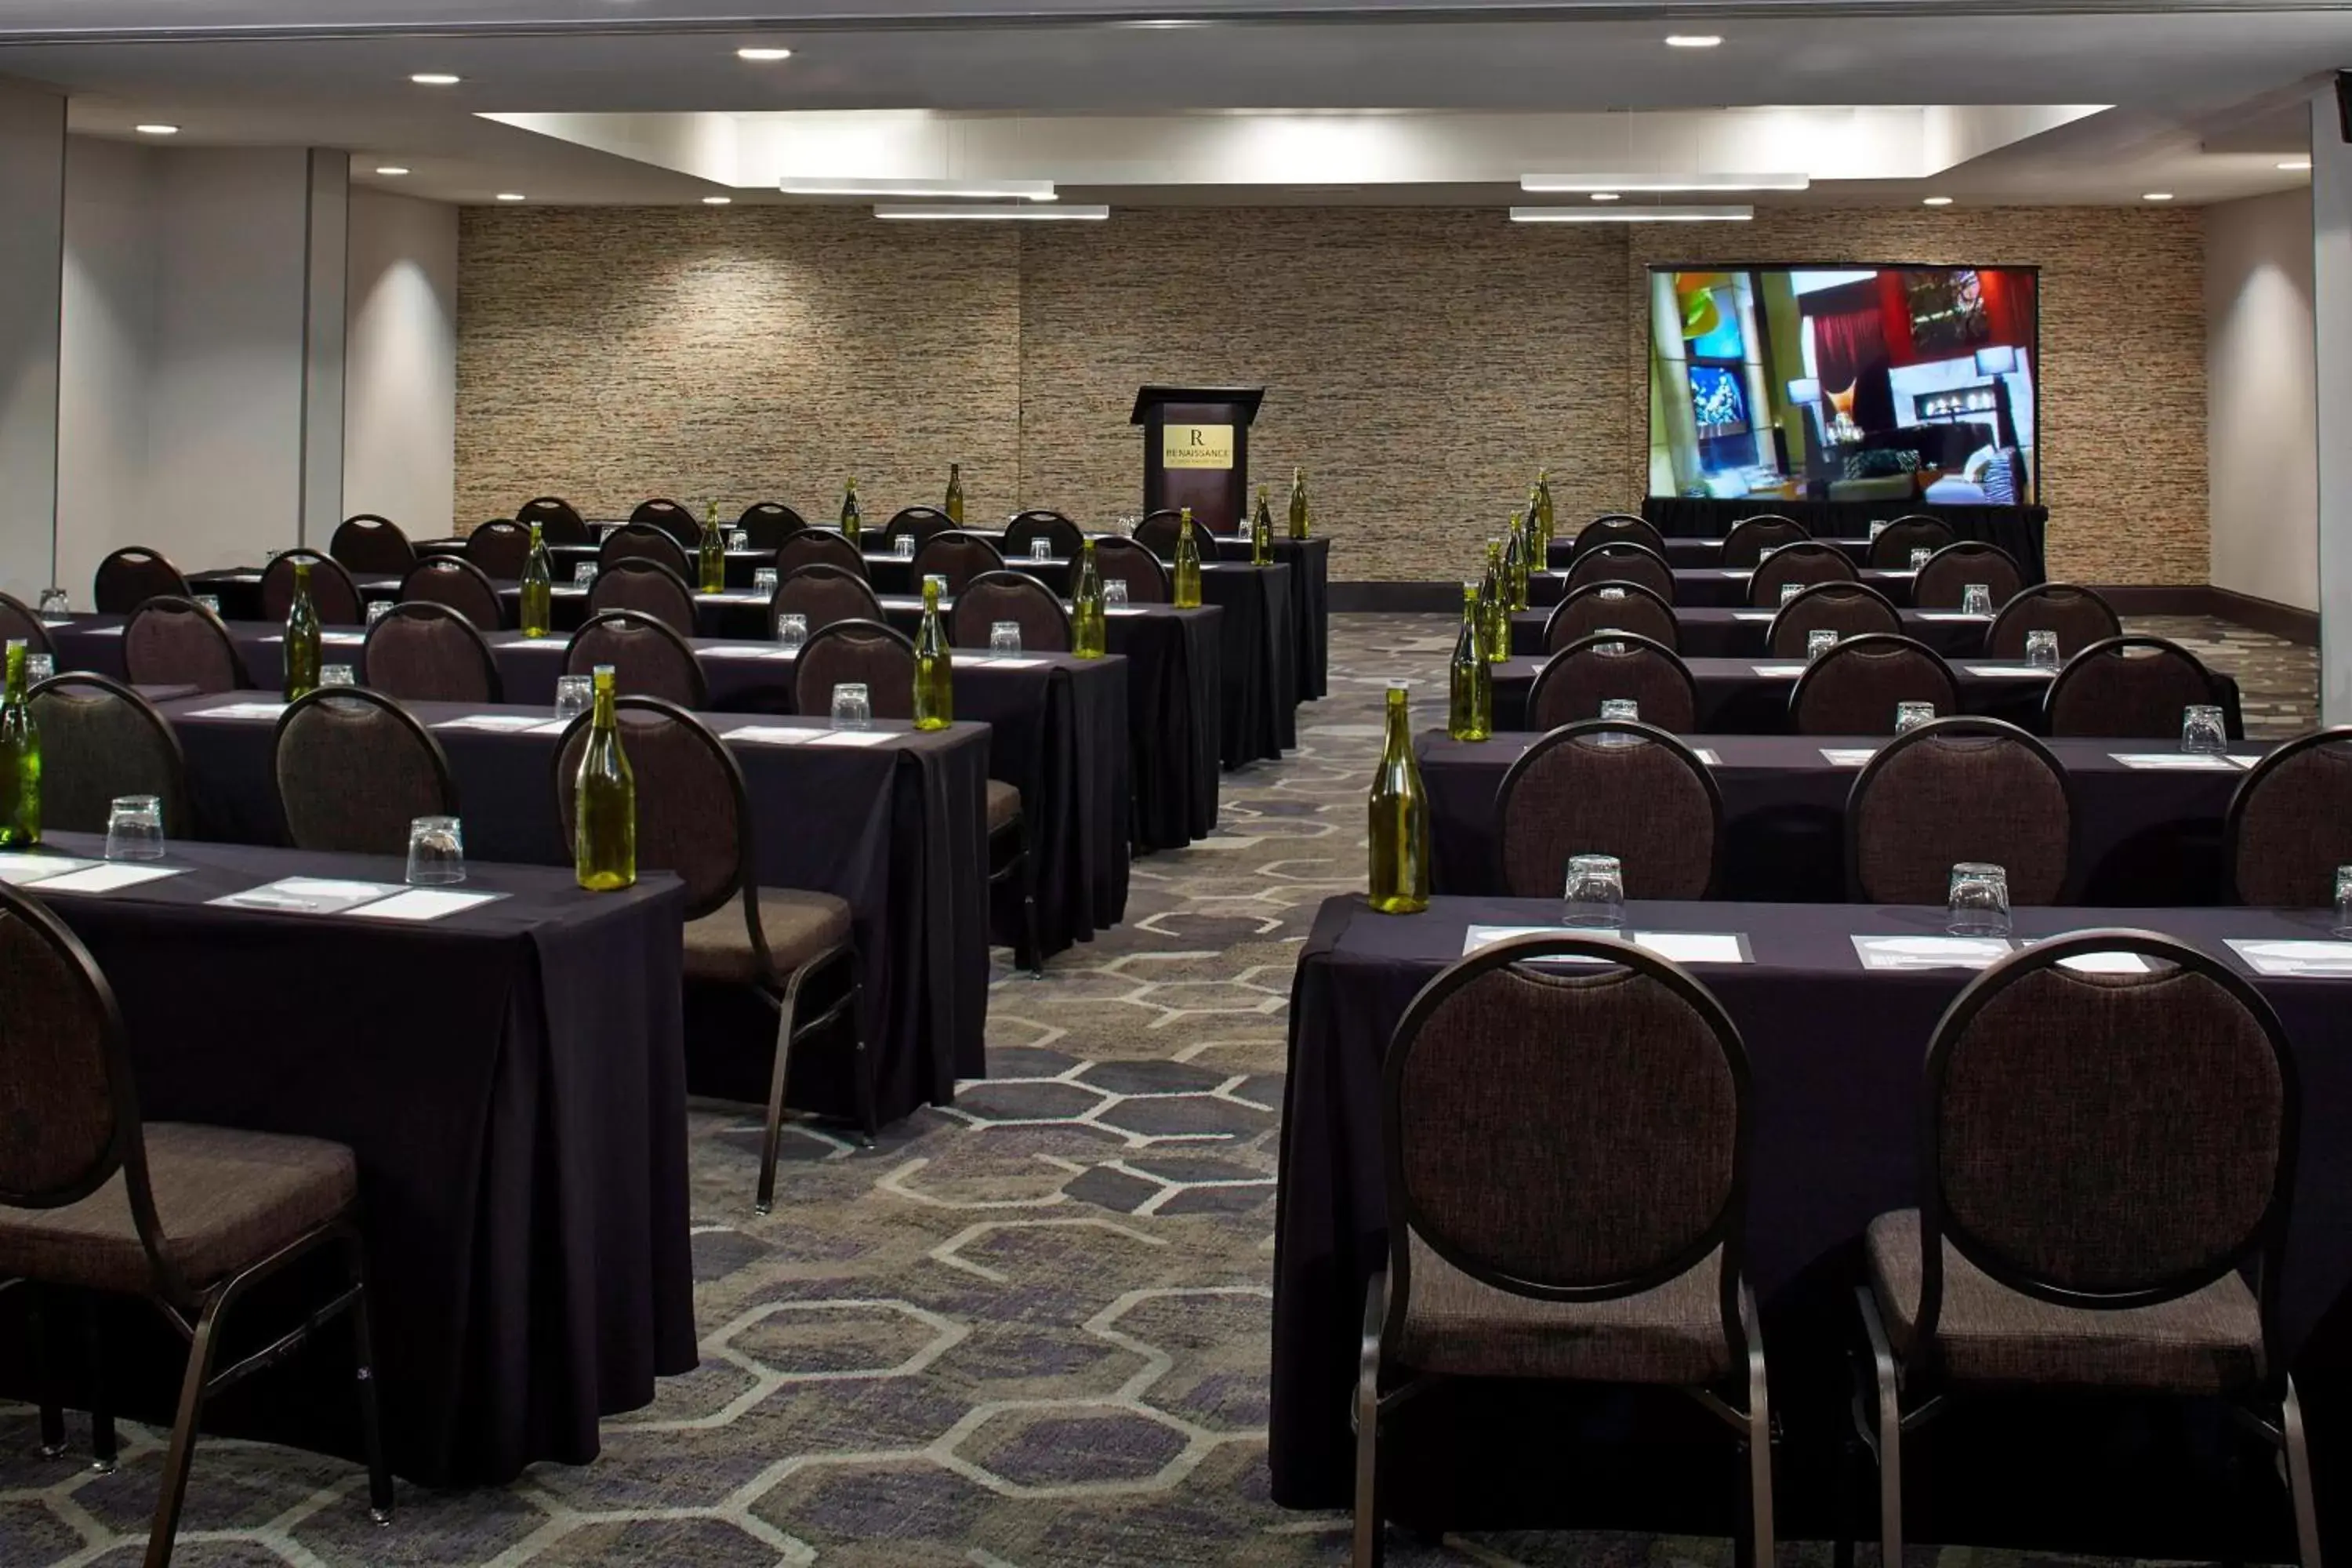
[
  {"x": 1721, "y": 633},
  {"x": 1835, "y": 1053},
  {"x": 2143, "y": 836},
  {"x": 1713, "y": 587},
  {"x": 518, "y": 1122}
]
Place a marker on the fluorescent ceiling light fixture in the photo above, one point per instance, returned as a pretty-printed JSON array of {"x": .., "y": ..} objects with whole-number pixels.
[
  {"x": 1693, "y": 40},
  {"x": 1000, "y": 190},
  {"x": 1934, "y": 201},
  {"x": 1632, "y": 214},
  {"x": 717, "y": 201},
  {"x": 2156, "y": 196},
  {"x": 1604, "y": 196},
  {"x": 2296, "y": 165},
  {"x": 156, "y": 130},
  {"x": 1646, "y": 184},
  {"x": 759, "y": 56},
  {"x": 919, "y": 212},
  {"x": 392, "y": 169},
  {"x": 435, "y": 79},
  {"x": 511, "y": 196}
]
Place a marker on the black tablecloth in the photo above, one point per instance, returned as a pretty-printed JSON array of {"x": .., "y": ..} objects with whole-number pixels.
[
  {"x": 1713, "y": 587},
  {"x": 518, "y": 1122},
  {"x": 1835, "y": 1052},
  {"x": 1734, "y": 699},
  {"x": 2019, "y": 530},
  {"x": 2143, "y": 836},
  {"x": 1309, "y": 561},
  {"x": 897, "y": 829},
  {"x": 1739, "y": 633}
]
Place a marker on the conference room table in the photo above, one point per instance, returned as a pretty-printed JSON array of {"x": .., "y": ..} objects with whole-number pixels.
[
  {"x": 1835, "y": 1049},
  {"x": 1718, "y": 587},
  {"x": 2148, "y": 819},
  {"x": 1750, "y": 697},
  {"x": 509, "y": 1077},
  {"x": 1696, "y": 554},
  {"x": 1716, "y": 633}
]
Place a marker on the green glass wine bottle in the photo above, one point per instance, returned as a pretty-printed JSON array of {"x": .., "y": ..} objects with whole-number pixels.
[
  {"x": 1496, "y": 591},
  {"x": 934, "y": 667},
  {"x": 1545, "y": 517},
  {"x": 1470, "y": 715},
  {"x": 1515, "y": 564},
  {"x": 1188, "y": 563},
  {"x": 1262, "y": 532},
  {"x": 1090, "y": 631},
  {"x": 1399, "y": 817},
  {"x": 1298, "y": 503},
  {"x": 605, "y": 801},
  {"x": 954, "y": 504},
  {"x": 536, "y": 606},
  {"x": 301, "y": 636},
  {"x": 852, "y": 525},
  {"x": 710, "y": 555},
  {"x": 20, "y": 761}
]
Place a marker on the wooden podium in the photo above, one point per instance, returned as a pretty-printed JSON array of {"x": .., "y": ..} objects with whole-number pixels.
[{"x": 1196, "y": 450}]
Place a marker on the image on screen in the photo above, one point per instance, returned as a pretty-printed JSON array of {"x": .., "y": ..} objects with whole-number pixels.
[{"x": 1893, "y": 386}]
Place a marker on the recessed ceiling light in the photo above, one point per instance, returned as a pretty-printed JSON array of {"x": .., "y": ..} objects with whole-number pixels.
[
  {"x": 392, "y": 169},
  {"x": 1604, "y": 196},
  {"x": 511, "y": 196},
  {"x": 1693, "y": 40},
  {"x": 2156, "y": 196},
  {"x": 435, "y": 79},
  {"x": 717, "y": 201},
  {"x": 156, "y": 130},
  {"x": 1934, "y": 201},
  {"x": 2296, "y": 165},
  {"x": 1632, "y": 214},
  {"x": 763, "y": 56}
]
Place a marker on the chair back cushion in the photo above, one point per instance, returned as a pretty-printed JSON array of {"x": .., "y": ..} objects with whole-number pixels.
[
  {"x": 1065, "y": 536},
  {"x": 1610, "y": 790},
  {"x": 994, "y": 596},
  {"x": 1575, "y": 681},
  {"x": 670, "y": 518},
  {"x": 923, "y": 524},
  {"x": 1852, "y": 689},
  {"x": 57, "y": 1061},
  {"x": 500, "y": 547},
  {"x": 957, "y": 556},
  {"x": 1960, "y": 789},
  {"x": 1891, "y": 551},
  {"x": 370, "y": 543},
  {"x": 766, "y": 524},
  {"x": 1942, "y": 584},
  {"x": 649, "y": 659},
  {"x": 1612, "y": 606},
  {"x": 100, "y": 741},
  {"x": 333, "y": 593},
  {"x": 1804, "y": 564},
  {"x": 424, "y": 652},
  {"x": 1849, "y": 609},
  {"x": 860, "y": 651},
  {"x": 1622, "y": 562},
  {"x": 353, "y": 771},
  {"x": 1158, "y": 530},
  {"x": 460, "y": 585},
  {"x": 132, "y": 575},
  {"x": 1751, "y": 538},
  {"x": 172, "y": 641},
  {"x": 649, "y": 587},
  {"x": 824, "y": 594},
  {"x": 559, "y": 520},
  {"x": 2126, "y": 687},
  {"x": 818, "y": 547},
  {"x": 1129, "y": 563},
  {"x": 2078, "y": 616},
  {"x": 2290, "y": 825},
  {"x": 19, "y": 622},
  {"x": 1618, "y": 528},
  {"x": 691, "y": 795},
  {"x": 641, "y": 541}
]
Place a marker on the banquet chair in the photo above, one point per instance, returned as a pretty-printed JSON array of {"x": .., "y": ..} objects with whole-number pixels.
[
  {"x": 669, "y": 518},
  {"x": 822, "y": 595},
  {"x": 957, "y": 556},
  {"x": 1618, "y": 528},
  {"x": 1847, "y": 608},
  {"x": 333, "y": 593},
  {"x": 766, "y": 524},
  {"x": 794, "y": 949},
  {"x": 1891, "y": 551},
  {"x": 1853, "y": 688},
  {"x": 1608, "y": 787},
  {"x": 100, "y": 741},
  {"x": 1805, "y": 563},
  {"x": 132, "y": 575},
  {"x": 559, "y": 520},
  {"x": 1942, "y": 584},
  {"x": 1014, "y": 596},
  {"x": 500, "y": 547},
  {"x": 1158, "y": 530},
  {"x": 171, "y": 641},
  {"x": 1613, "y": 1105},
  {"x": 353, "y": 769},
  {"x": 819, "y": 547},
  {"x": 1953, "y": 790},
  {"x": 459, "y": 584},
  {"x": 2289, "y": 824},
  {"x": 2101, "y": 1155},
  {"x": 19, "y": 622},
  {"x": 648, "y": 657},
  {"x": 883, "y": 661},
  {"x": 1065, "y": 536},
  {"x": 649, "y": 587},
  {"x": 1612, "y": 606},
  {"x": 1621, "y": 562},
  {"x": 366, "y": 543},
  {"x": 924, "y": 523},
  {"x": 1125, "y": 560},
  {"x": 1574, "y": 682},
  {"x": 1753, "y": 538},
  {"x": 425, "y": 652},
  {"x": 2125, "y": 687},
  {"x": 188, "y": 1217},
  {"x": 641, "y": 541},
  {"x": 2078, "y": 616}
]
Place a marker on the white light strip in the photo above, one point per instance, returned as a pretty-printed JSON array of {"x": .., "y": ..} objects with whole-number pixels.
[
  {"x": 1646, "y": 184},
  {"x": 1002, "y": 190},
  {"x": 1632, "y": 214},
  {"x": 995, "y": 213}
]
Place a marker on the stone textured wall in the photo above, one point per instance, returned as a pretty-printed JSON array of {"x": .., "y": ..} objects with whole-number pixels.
[{"x": 1422, "y": 361}]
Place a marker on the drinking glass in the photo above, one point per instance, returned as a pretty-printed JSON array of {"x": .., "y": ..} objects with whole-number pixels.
[
  {"x": 134, "y": 827},
  {"x": 1114, "y": 590},
  {"x": 437, "y": 852},
  {"x": 2343, "y": 926},
  {"x": 1595, "y": 894},
  {"x": 2041, "y": 649},
  {"x": 40, "y": 667},
  {"x": 1911, "y": 715},
  {"x": 932, "y": 577},
  {"x": 1040, "y": 550},
  {"x": 1976, "y": 599},
  {"x": 572, "y": 695},
  {"x": 54, "y": 606},
  {"x": 1919, "y": 554},
  {"x": 210, "y": 602},
  {"x": 792, "y": 630},
  {"x": 1610, "y": 591},
  {"x": 903, "y": 546},
  {"x": 2202, "y": 729},
  {"x": 1790, "y": 590},
  {"x": 1004, "y": 639},
  {"x": 337, "y": 674},
  {"x": 851, "y": 710},
  {"x": 583, "y": 574},
  {"x": 1979, "y": 901},
  {"x": 763, "y": 581},
  {"x": 737, "y": 538},
  {"x": 1819, "y": 643}
]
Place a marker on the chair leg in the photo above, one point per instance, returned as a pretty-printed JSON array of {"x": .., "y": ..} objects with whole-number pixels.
[
  {"x": 363, "y": 1366},
  {"x": 1890, "y": 1437},
  {"x": 103, "y": 1448},
  {"x": 773, "y": 1132},
  {"x": 2298, "y": 1478},
  {"x": 43, "y": 1346},
  {"x": 863, "y": 1062},
  {"x": 173, "y": 1490},
  {"x": 1759, "y": 1459},
  {"x": 1368, "y": 1549}
]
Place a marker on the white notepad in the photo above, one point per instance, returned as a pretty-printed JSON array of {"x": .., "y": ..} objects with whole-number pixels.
[
  {"x": 1734, "y": 571},
  {"x": 307, "y": 896},
  {"x": 492, "y": 722},
  {"x": 1952, "y": 615},
  {"x": 1677, "y": 946},
  {"x": 1123, "y": 610},
  {"x": 1016, "y": 662},
  {"x": 106, "y": 879},
  {"x": 241, "y": 710},
  {"x": 1753, "y": 614},
  {"x": 2010, "y": 672},
  {"x": 2319, "y": 960},
  {"x": 1709, "y": 758},
  {"x": 747, "y": 651},
  {"x": 1929, "y": 952},
  {"x": 772, "y": 734},
  {"x": 20, "y": 869},
  {"x": 422, "y": 904},
  {"x": 1848, "y": 756},
  {"x": 2177, "y": 761},
  {"x": 1779, "y": 672},
  {"x": 849, "y": 738}
]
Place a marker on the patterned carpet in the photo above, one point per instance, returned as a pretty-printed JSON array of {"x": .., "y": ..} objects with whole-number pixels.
[{"x": 1030, "y": 1331}]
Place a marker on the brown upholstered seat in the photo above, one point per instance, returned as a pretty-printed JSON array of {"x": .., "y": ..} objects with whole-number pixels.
[
  {"x": 766, "y": 524},
  {"x": 459, "y": 584},
  {"x": 2289, "y": 826},
  {"x": 1618, "y": 528},
  {"x": 366, "y": 543},
  {"x": 2126, "y": 687},
  {"x": 1955, "y": 790},
  {"x": 100, "y": 741},
  {"x": 177, "y": 642},
  {"x": 863, "y": 652},
  {"x": 132, "y": 575},
  {"x": 1804, "y": 564},
  {"x": 1752, "y": 538},
  {"x": 994, "y": 596},
  {"x": 500, "y": 547},
  {"x": 1855, "y": 689},
  {"x": 1065, "y": 536},
  {"x": 648, "y": 587},
  {"x": 818, "y": 547},
  {"x": 1847, "y": 608},
  {"x": 1575, "y": 681},
  {"x": 669, "y": 518},
  {"x": 1004, "y": 805},
  {"x": 799, "y": 929},
  {"x": 2079, "y": 617},
  {"x": 429, "y": 653},
  {"x": 1612, "y": 606},
  {"x": 1942, "y": 584},
  {"x": 921, "y": 523},
  {"x": 649, "y": 659},
  {"x": 1125, "y": 560},
  {"x": 957, "y": 556},
  {"x": 1622, "y": 562},
  {"x": 1606, "y": 787},
  {"x": 559, "y": 520},
  {"x": 1891, "y": 551},
  {"x": 641, "y": 541},
  {"x": 1672, "y": 1334},
  {"x": 333, "y": 593},
  {"x": 354, "y": 769},
  {"x": 19, "y": 622}
]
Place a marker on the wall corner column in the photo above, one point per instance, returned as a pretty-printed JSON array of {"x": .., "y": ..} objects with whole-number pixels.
[{"x": 32, "y": 280}]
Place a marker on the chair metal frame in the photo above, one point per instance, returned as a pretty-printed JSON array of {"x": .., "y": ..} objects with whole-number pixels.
[
  {"x": 1022, "y": 583},
  {"x": 638, "y": 566},
  {"x": 1958, "y": 726},
  {"x": 1631, "y": 590},
  {"x": 925, "y": 523},
  {"x": 133, "y": 557},
  {"x": 27, "y": 620},
  {"x": 825, "y": 547},
  {"x": 445, "y": 780},
  {"x": 1157, "y": 529},
  {"x": 623, "y": 543},
  {"x": 559, "y": 520},
  {"x": 443, "y": 566},
  {"x": 172, "y": 604},
  {"x": 2118, "y": 648},
  {"x": 1797, "y": 550},
  {"x": 1852, "y": 587},
  {"x": 1066, "y": 537},
  {"x": 818, "y": 571},
  {"x": 1969, "y": 549},
  {"x": 1568, "y": 734},
  {"x": 1125, "y": 553},
  {"x": 435, "y": 610},
  {"x": 768, "y": 524},
  {"x": 1617, "y": 528},
  {"x": 1867, "y": 640},
  {"x": 668, "y": 517},
  {"x": 2034, "y": 592},
  {"x": 175, "y": 757},
  {"x": 494, "y": 535},
  {"x": 638, "y": 620},
  {"x": 1774, "y": 529},
  {"x": 1881, "y": 552},
  {"x": 321, "y": 565},
  {"x": 2242, "y": 799},
  {"x": 1582, "y": 571},
  {"x": 1632, "y": 640},
  {"x": 367, "y": 522},
  {"x": 959, "y": 539}
]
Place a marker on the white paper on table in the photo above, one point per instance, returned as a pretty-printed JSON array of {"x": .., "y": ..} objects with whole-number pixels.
[
  {"x": 47, "y": 622},
  {"x": 1952, "y": 615},
  {"x": 735, "y": 596},
  {"x": 2107, "y": 964},
  {"x": 1709, "y": 758},
  {"x": 1677, "y": 946},
  {"x": 1735, "y": 571},
  {"x": 1929, "y": 952},
  {"x": 1753, "y": 614},
  {"x": 540, "y": 642},
  {"x": 746, "y": 650},
  {"x": 98, "y": 631},
  {"x": 2331, "y": 960},
  {"x": 241, "y": 710},
  {"x": 20, "y": 869},
  {"x": 1779, "y": 672},
  {"x": 772, "y": 734},
  {"x": 2176, "y": 762},
  {"x": 1848, "y": 756},
  {"x": 549, "y": 727},
  {"x": 1123, "y": 610},
  {"x": 2245, "y": 761},
  {"x": 1015, "y": 662},
  {"x": 492, "y": 722},
  {"x": 849, "y": 738},
  {"x": 107, "y": 878},
  {"x": 308, "y": 895},
  {"x": 2010, "y": 671},
  {"x": 343, "y": 639},
  {"x": 422, "y": 904}
]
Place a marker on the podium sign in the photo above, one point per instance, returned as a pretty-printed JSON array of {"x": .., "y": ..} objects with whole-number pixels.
[
  {"x": 1196, "y": 446},
  {"x": 1196, "y": 450}
]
